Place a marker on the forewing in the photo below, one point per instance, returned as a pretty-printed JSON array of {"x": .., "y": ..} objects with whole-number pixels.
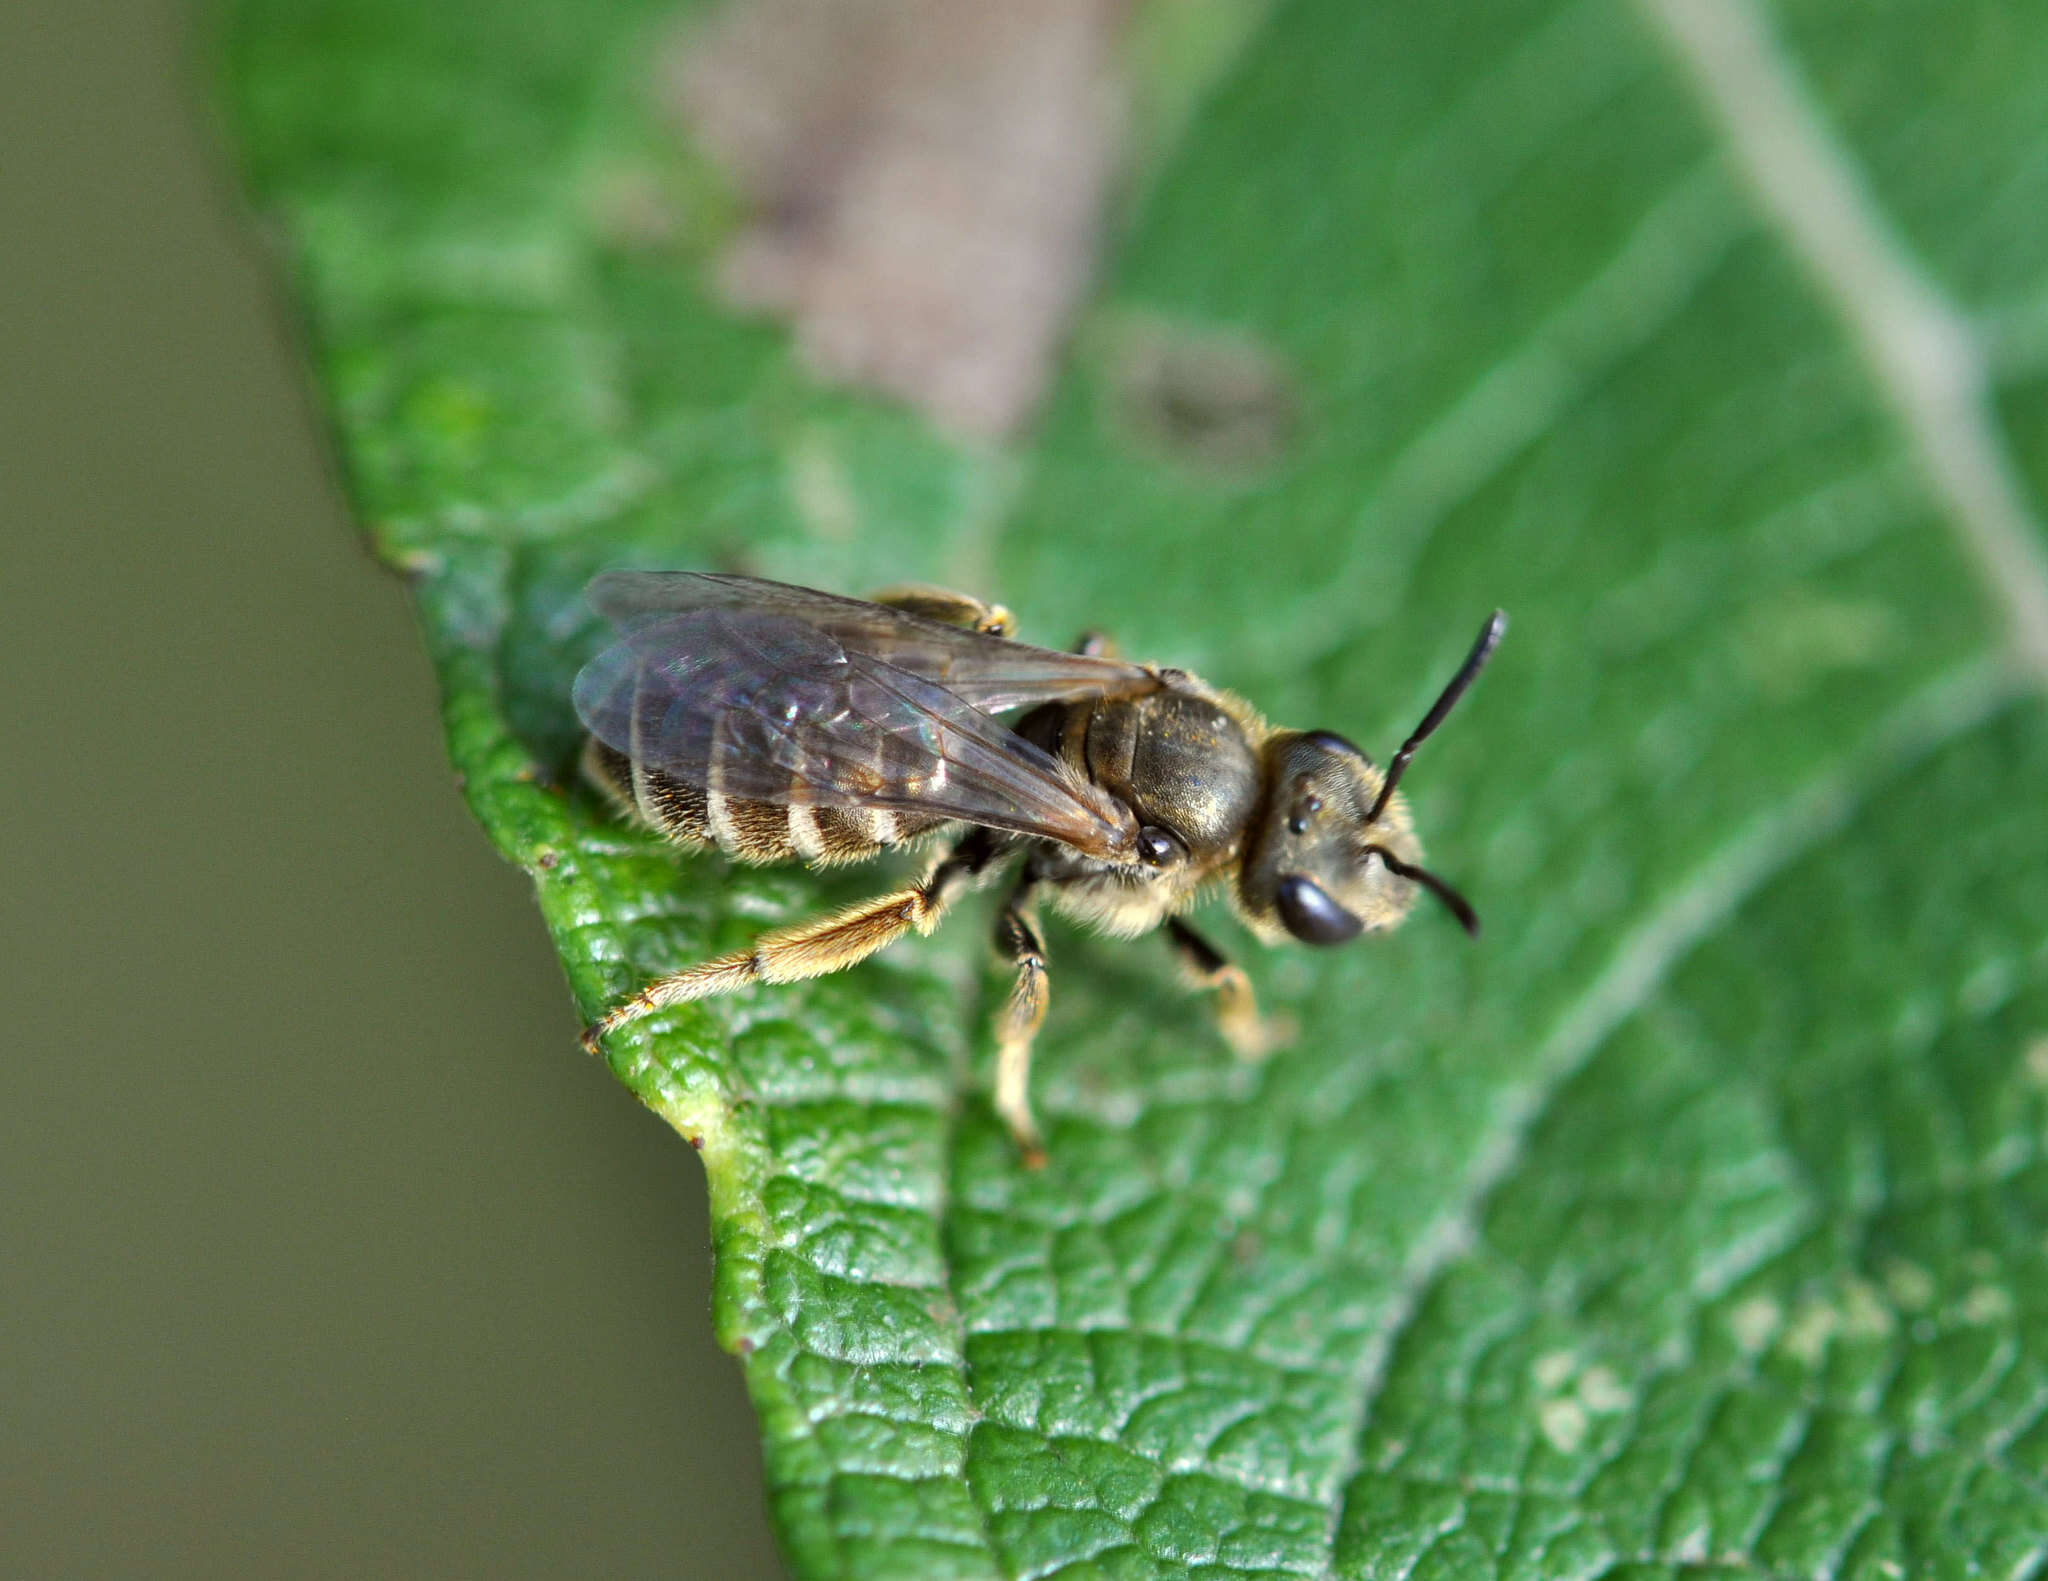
[
  {"x": 992, "y": 674},
  {"x": 768, "y": 706}
]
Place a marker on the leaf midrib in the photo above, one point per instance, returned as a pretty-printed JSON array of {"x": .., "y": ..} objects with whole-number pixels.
[{"x": 1914, "y": 342}]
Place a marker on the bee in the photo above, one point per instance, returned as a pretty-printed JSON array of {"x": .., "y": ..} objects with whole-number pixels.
[{"x": 783, "y": 724}]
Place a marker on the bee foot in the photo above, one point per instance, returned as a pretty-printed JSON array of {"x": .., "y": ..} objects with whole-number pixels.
[{"x": 1262, "y": 1037}]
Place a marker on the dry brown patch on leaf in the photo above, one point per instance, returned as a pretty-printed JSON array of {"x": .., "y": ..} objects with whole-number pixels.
[
  {"x": 926, "y": 180},
  {"x": 1211, "y": 401}
]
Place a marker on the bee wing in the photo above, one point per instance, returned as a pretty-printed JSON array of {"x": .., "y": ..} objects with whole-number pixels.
[
  {"x": 764, "y": 705},
  {"x": 990, "y": 673}
]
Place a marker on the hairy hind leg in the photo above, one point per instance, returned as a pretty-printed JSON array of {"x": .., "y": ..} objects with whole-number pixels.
[
  {"x": 816, "y": 948},
  {"x": 1018, "y": 1021},
  {"x": 1237, "y": 1009}
]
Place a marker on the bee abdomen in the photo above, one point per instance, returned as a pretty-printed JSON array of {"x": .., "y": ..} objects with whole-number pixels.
[{"x": 753, "y": 831}]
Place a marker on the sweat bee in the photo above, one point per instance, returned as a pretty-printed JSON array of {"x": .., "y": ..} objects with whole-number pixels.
[{"x": 782, "y": 724}]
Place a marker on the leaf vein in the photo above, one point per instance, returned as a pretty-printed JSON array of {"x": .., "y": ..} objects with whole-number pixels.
[
  {"x": 1673, "y": 251},
  {"x": 1641, "y": 962},
  {"x": 1920, "y": 348}
]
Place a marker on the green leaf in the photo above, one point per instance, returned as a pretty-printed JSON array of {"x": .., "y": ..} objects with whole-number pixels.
[{"x": 1693, "y": 1221}]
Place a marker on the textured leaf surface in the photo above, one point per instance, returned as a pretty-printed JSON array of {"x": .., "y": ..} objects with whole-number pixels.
[{"x": 1693, "y": 1223}]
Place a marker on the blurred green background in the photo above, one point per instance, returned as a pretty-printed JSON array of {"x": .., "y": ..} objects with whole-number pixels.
[{"x": 305, "y": 1303}]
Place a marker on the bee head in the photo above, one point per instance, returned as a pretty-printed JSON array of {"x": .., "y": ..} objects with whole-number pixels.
[
  {"x": 1317, "y": 870},
  {"x": 1335, "y": 853}
]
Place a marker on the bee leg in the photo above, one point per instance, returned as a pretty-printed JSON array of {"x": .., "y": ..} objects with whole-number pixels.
[
  {"x": 949, "y": 609},
  {"x": 1093, "y": 644},
  {"x": 1237, "y": 1010},
  {"x": 1017, "y": 1023},
  {"x": 816, "y": 948}
]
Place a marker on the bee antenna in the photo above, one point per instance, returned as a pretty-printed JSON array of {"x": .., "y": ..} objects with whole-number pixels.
[
  {"x": 1468, "y": 672},
  {"x": 1455, "y": 903}
]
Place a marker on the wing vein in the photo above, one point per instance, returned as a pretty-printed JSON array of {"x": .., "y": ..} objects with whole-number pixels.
[{"x": 761, "y": 692}]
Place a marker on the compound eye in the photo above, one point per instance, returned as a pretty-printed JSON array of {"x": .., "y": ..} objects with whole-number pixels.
[
  {"x": 1330, "y": 741},
  {"x": 1312, "y": 916}
]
